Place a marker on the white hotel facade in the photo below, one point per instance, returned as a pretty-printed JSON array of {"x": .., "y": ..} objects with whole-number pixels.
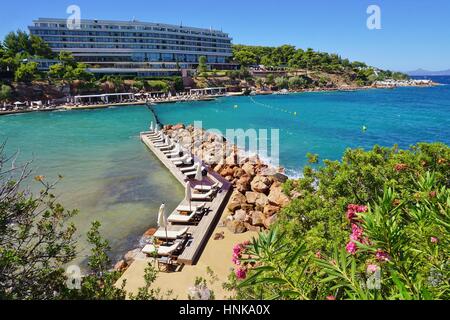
[{"x": 137, "y": 48}]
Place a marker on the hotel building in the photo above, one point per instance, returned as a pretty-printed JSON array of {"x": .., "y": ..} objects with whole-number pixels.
[{"x": 137, "y": 48}]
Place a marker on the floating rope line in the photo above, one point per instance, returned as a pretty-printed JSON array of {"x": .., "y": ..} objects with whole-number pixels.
[{"x": 272, "y": 107}]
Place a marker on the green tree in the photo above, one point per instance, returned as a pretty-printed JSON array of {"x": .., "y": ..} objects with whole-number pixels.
[
  {"x": 5, "y": 92},
  {"x": 282, "y": 83},
  {"x": 36, "y": 238},
  {"x": 202, "y": 65},
  {"x": 57, "y": 71},
  {"x": 158, "y": 85},
  {"x": 27, "y": 72},
  {"x": 99, "y": 283},
  {"x": 246, "y": 58}
]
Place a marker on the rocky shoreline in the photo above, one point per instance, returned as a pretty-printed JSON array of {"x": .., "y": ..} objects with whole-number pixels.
[{"x": 258, "y": 195}]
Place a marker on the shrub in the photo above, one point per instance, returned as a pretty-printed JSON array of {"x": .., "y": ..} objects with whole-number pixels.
[{"x": 376, "y": 215}]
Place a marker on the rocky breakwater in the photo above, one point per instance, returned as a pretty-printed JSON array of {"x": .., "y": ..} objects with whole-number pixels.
[{"x": 258, "y": 195}]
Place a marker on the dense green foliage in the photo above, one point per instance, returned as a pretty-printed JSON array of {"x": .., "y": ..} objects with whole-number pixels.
[
  {"x": 377, "y": 215},
  {"x": 158, "y": 85},
  {"x": 5, "y": 92},
  {"x": 202, "y": 66},
  {"x": 18, "y": 46},
  {"x": 69, "y": 69},
  {"x": 288, "y": 56}
]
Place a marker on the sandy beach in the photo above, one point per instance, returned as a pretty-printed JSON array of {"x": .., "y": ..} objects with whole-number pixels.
[{"x": 216, "y": 257}]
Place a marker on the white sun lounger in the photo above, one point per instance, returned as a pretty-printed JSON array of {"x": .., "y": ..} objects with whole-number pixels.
[
  {"x": 169, "y": 147},
  {"x": 189, "y": 160},
  {"x": 187, "y": 208},
  {"x": 207, "y": 188},
  {"x": 191, "y": 174},
  {"x": 191, "y": 168},
  {"x": 203, "y": 197},
  {"x": 179, "y": 218},
  {"x": 171, "y": 235},
  {"x": 161, "y": 138},
  {"x": 156, "y": 136},
  {"x": 172, "y": 153},
  {"x": 161, "y": 145},
  {"x": 183, "y": 158},
  {"x": 163, "y": 251}
]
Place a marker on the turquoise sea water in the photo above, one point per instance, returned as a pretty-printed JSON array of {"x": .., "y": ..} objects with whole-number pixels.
[
  {"x": 108, "y": 173},
  {"x": 111, "y": 177},
  {"x": 328, "y": 123}
]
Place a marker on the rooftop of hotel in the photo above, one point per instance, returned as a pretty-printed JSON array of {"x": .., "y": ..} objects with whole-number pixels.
[{"x": 134, "y": 23}]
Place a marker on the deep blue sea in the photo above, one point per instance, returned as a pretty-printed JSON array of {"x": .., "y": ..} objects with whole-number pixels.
[{"x": 328, "y": 123}]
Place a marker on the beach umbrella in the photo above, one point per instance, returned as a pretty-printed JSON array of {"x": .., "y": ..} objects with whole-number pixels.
[
  {"x": 199, "y": 174},
  {"x": 189, "y": 195},
  {"x": 162, "y": 219}
]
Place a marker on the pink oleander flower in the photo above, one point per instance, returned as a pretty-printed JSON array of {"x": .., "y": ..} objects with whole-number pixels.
[
  {"x": 237, "y": 250},
  {"x": 353, "y": 210},
  {"x": 351, "y": 248},
  {"x": 400, "y": 167},
  {"x": 382, "y": 256},
  {"x": 331, "y": 298},
  {"x": 319, "y": 255},
  {"x": 357, "y": 233},
  {"x": 372, "y": 268},
  {"x": 241, "y": 273},
  {"x": 236, "y": 261},
  {"x": 246, "y": 243},
  {"x": 434, "y": 240}
]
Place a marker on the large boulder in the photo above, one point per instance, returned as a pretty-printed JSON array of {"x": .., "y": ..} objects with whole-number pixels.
[
  {"x": 236, "y": 201},
  {"x": 258, "y": 218},
  {"x": 270, "y": 221},
  {"x": 236, "y": 226},
  {"x": 178, "y": 127},
  {"x": 243, "y": 184},
  {"x": 240, "y": 215},
  {"x": 218, "y": 168},
  {"x": 280, "y": 177},
  {"x": 249, "y": 169},
  {"x": 251, "y": 197},
  {"x": 270, "y": 210},
  {"x": 238, "y": 172},
  {"x": 261, "y": 201},
  {"x": 120, "y": 266},
  {"x": 252, "y": 228},
  {"x": 278, "y": 198},
  {"x": 257, "y": 199},
  {"x": 227, "y": 171},
  {"x": 261, "y": 184}
]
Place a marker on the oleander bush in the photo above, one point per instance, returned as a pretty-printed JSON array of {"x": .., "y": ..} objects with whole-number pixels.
[{"x": 375, "y": 225}]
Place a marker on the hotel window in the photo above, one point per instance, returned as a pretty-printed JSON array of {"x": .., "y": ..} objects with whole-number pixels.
[
  {"x": 154, "y": 57},
  {"x": 167, "y": 57}
]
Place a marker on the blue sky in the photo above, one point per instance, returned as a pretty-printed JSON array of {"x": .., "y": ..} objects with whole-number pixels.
[{"x": 415, "y": 34}]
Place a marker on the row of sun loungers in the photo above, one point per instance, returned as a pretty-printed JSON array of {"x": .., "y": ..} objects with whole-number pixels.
[{"x": 186, "y": 214}]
